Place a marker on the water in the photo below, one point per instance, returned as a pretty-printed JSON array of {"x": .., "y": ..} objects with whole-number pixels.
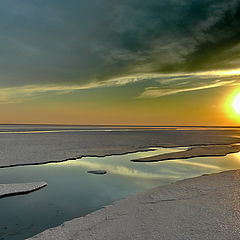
[{"x": 72, "y": 192}]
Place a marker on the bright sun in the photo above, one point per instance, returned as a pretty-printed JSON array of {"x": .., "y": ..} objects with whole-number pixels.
[{"x": 236, "y": 103}]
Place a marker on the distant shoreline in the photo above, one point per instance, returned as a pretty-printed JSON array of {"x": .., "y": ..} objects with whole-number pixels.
[
  {"x": 31, "y": 148},
  {"x": 117, "y": 125}
]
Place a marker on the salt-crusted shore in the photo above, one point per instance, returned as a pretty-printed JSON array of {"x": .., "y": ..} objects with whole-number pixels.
[
  {"x": 29, "y": 148},
  {"x": 202, "y": 151},
  {"x": 7, "y": 190},
  {"x": 206, "y": 207}
]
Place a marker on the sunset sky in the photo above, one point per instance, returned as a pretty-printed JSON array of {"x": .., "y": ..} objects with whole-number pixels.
[{"x": 155, "y": 62}]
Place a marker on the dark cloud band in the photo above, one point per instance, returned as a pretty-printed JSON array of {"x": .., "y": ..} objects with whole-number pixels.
[{"x": 59, "y": 41}]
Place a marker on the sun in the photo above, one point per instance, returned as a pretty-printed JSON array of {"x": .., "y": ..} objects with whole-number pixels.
[
  {"x": 236, "y": 103},
  {"x": 232, "y": 104}
]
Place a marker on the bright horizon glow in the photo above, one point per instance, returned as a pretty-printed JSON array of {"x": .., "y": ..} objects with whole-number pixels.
[
  {"x": 236, "y": 103},
  {"x": 232, "y": 105},
  {"x": 168, "y": 99}
]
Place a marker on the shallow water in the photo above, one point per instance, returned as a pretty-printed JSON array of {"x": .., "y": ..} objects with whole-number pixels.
[{"x": 72, "y": 192}]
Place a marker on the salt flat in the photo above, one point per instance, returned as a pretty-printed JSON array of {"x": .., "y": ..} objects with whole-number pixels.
[
  {"x": 28, "y": 147},
  {"x": 19, "y": 188},
  {"x": 205, "y": 207}
]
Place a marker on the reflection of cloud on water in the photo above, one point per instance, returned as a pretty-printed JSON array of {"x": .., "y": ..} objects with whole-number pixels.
[
  {"x": 236, "y": 156},
  {"x": 121, "y": 170},
  {"x": 195, "y": 164},
  {"x": 158, "y": 151}
]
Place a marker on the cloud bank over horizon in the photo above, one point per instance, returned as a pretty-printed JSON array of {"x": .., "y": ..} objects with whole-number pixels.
[{"x": 77, "y": 41}]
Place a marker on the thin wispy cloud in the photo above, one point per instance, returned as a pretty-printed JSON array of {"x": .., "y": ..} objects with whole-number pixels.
[
  {"x": 159, "y": 92},
  {"x": 169, "y": 84}
]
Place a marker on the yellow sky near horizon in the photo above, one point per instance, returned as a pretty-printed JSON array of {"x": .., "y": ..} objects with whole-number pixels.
[
  {"x": 201, "y": 107},
  {"x": 204, "y": 98}
]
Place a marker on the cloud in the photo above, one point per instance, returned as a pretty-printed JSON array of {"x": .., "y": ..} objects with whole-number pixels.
[
  {"x": 73, "y": 42},
  {"x": 158, "y": 85},
  {"x": 16, "y": 94},
  {"x": 192, "y": 82},
  {"x": 158, "y": 92}
]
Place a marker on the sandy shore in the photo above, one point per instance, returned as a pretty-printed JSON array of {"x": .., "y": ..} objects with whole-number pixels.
[
  {"x": 205, "y": 207},
  {"x": 203, "y": 151},
  {"x": 20, "y": 188}
]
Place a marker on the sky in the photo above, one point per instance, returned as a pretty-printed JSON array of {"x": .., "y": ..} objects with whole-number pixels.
[{"x": 155, "y": 62}]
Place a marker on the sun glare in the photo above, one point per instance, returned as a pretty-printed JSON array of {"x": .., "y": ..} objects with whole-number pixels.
[
  {"x": 236, "y": 103},
  {"x": 232, "y": 105}
]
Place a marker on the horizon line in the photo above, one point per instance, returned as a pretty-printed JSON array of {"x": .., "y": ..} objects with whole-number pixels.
[{"x": 118, "y": 125}]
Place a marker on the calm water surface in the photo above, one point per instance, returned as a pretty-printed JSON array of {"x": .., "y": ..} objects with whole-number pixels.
[{"x": 72, "y": 192}]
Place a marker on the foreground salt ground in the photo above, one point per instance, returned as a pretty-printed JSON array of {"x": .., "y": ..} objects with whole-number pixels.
[
  {"x": 20, "y": 188},
  {"x": 205, "y": 207}
]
